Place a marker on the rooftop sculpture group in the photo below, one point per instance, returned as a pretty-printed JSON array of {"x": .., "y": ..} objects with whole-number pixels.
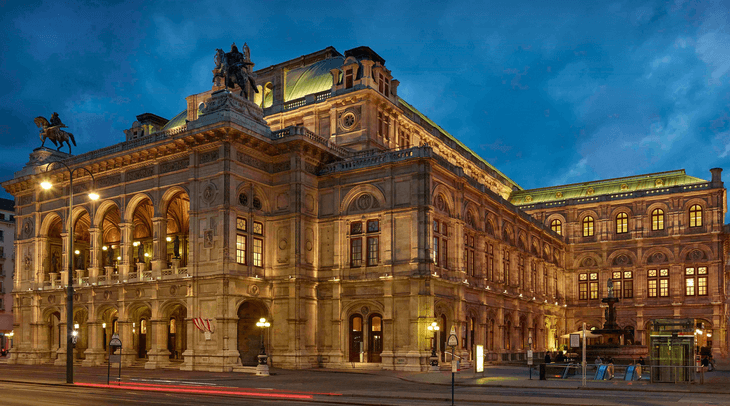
[
  {"x": 235, "y": 68},
  {"x": 52, "y": 131}
]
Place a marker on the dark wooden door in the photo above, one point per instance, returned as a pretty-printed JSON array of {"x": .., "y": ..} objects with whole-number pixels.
[
  {"x": 356, "y": 341},
  {"x": 375, "y": 338}
]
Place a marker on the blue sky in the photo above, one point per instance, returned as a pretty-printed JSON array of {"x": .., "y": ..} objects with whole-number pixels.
[{"x": 548, "y": 92}]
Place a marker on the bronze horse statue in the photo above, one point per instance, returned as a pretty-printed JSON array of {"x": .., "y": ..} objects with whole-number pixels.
[
  {"x": 233, "y": 68},
  {"x": 52, "y": 131}
]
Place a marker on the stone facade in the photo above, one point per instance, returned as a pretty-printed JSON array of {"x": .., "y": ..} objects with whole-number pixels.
[
  {"x": 326, "y": 204},
  {"x": 7, "y": 265}
]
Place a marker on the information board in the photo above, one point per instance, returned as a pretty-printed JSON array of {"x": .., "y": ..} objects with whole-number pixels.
[
  {"x": 480, "y": 358},
  {"x": 575, "y": 340}
]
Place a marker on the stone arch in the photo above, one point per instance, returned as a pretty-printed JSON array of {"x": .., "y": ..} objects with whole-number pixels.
[
  {"x": 489, "y": 228},
  {"x": 581, "y": 261},
  {"x": 651, "y": 208},
  {"x": 508, "y": 234},
  {"x": 168, "y": 197},
  {"x": 103, "y": 208},
  {"x": 248, "y": 336},
  {"x": 684, "y": 218},
  {"x": 448, "y": 199},
  {"x": 174, "y": 314},
  {"x": 615, "y": 212},
  {"x": 471, "y": 215},
  {"x": 657, "y": 255},
  {"x": 555, "y": 216},
  {"x": 596, "y": 222},
  {"x": 614, "y": 260},
  {"x": 360, "y": 190},
  {"x": 522, "y": 241},
  {"x": 48, "y": 220},
  {"x": 48, "y": 311},
  {"x": 258, "y": 192},
  {"x": 686, "y": 254},
  {"x": 133, "y": 203}
]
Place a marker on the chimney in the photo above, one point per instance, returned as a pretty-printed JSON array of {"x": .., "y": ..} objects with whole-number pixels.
[{"x": 716, "y": 177}]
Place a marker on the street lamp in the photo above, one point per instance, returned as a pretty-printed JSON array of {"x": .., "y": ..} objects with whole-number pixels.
[
  {"x": 262, "y": 369},
  {"x": 70, "y": 332},
  {"x": 434, "y": 358}
]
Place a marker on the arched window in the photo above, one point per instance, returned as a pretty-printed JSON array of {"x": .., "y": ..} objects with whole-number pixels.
[
  {"x": 695, "y": 215},
  {"x": 557, "y": 226},
  {"x": 588, "y": 226},
  {"x": 622, "y": 223},
  {"x": 657, "y": 219},
  {"x": 356, "y": 338}
]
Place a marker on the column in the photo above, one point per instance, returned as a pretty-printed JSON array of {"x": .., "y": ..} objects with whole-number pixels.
[
  {"x": 95, "y": 352},
  {"x": 159, "y": 246},
  {"x": 95, "y": 264},
  {"x": 158, "y": 354},
  {"x": 127, "y": 337},
  {"x": 126, "y": 252}
]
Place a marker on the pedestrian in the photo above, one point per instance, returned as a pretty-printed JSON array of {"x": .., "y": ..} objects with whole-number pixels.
[
  {"x": 599, "y": 361},
  {"x": 641, "y": 361},
  {"x": 547, "y": 358},
  {"x": 711, "y": 363},
  {"x": 609, "y": 370}
]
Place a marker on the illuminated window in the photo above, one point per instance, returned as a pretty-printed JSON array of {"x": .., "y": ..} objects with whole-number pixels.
[
  {"x": 695, "y": 281},
  {"x": 258, "y": 252},
  {"x": 695, "y": 216},
  {"x": 505, "y": 265},
  {"x": 583, "y": 286},
  {"x": 469, "y": 254},
  {"x": 490, "y": 261},
  {"x": 372, "y": 251},
  {"x": 587, "y": 226},
  {"x": 383, "y": 84},
  {"x": 658, "y": 282},
  {"x": 657, "y": 219},
  {"x": 241, "y": 241},
  {"x": 384, "y": 126},
  {"x": 622, "y": 223},
  {"x": 557, "y": 226},
  {"x": 258, "y": 228},
  {"x": 440, "y": 244},
  {"x": 356, "y": 252},
  {"x": 593, "y": 284}
]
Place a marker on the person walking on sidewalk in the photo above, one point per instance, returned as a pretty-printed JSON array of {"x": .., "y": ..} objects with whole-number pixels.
[{"x": 547, "y": 358}]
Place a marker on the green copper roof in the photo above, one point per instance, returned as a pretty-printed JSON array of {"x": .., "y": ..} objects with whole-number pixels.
[
  {"x": 177, "y": 121},
  {"x": 444, "y": 132},
  {"x": 604, "y": 187},
  {"x": 311, "y": 79}
]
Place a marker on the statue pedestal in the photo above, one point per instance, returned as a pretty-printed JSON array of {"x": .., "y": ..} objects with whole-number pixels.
[
  {"x": 141, "y": 268},
  {"x": 175, "y": 264},
  {"x": 54, "y": 279},
  {"x": 611, "y": 332},
  {"x": 41, "y": 156}
]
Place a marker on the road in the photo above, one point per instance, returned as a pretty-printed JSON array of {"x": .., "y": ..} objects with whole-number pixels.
[{"x": 41, "y": 385}]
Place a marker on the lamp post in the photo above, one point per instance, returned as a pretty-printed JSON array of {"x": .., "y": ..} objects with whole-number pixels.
[
  {"x": 434, "y": 358},
  {"x": 262, "y": 369},
  {"x": 71, "y": 334}
]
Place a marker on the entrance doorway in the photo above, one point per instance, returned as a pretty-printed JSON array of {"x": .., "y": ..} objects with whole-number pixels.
[
  {"x": 356, "y": 343},
  {"x": 375, "y": 338},
  {"x": 249, "y": 336},
  {"x": 142, "y": 339}
]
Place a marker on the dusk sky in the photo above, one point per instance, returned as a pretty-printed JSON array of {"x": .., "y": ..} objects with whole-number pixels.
[{"x": 548, "y": 92}]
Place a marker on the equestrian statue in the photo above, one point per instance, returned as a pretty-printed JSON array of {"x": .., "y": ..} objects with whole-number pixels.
[
  {"x": 52, "y": 131},
  {"x": 235, "y": 68}
]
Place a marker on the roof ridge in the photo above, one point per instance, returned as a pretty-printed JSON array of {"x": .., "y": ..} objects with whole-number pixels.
[
  {"x": 675, "y": 172},
  {"x": 461, "y": 144}
]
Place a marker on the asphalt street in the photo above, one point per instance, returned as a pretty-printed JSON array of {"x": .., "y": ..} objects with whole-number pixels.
[{"x": 44, "y": 385}]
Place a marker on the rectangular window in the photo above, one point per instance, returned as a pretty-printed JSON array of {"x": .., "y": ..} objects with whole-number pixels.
[
  {"x": 628, "y": 289},
  {"x": 594, "y": 290},
  {"x": 689, "y": 287},
  {"x": 652, "y": 287},
  {"x": 2, "y": 236},
  {"x": 617, "y": 288},
  {"x": 381, "y": 83},
  {"x": 356, "y": 252},
  {"x": 444, "y": 253},
  {"x": 582, "y": 291},
  {"x": 664, "y": 287},
  {"x": 258, "y": 252},
  {"x": 372, "y": 251},
  {"x": 505, "y": 265},
  {"x": 241, "y": 224},
  {"x": 356, "y": 227},
  {"x": 241, "y": 249},
  {"x": 349, "y": 78},
  {"x": 258, "y": 228},
  {"x": 520, "y": 270},
  {"x": 490, "y": 262},
  {"x": 436, "y": 246},
  {"x": 702, "y": 286},
  {"x": 373, "y": 226}
]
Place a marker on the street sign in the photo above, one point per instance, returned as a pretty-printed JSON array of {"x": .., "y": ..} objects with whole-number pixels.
[
  {"x": 115, "y": 341},
  {"x": 454, "y": 365},
  {"x": 529, "y": 357},
  {"x": 115, "y": 358},
  {"x": 453, "y": 340},
  {"x": 575, "y": 340}
]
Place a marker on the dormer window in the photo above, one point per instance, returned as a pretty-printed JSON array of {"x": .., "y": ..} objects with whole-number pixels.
[
  {"x": 383, "y": 84},
  {"x": 349, "y": 78}
]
